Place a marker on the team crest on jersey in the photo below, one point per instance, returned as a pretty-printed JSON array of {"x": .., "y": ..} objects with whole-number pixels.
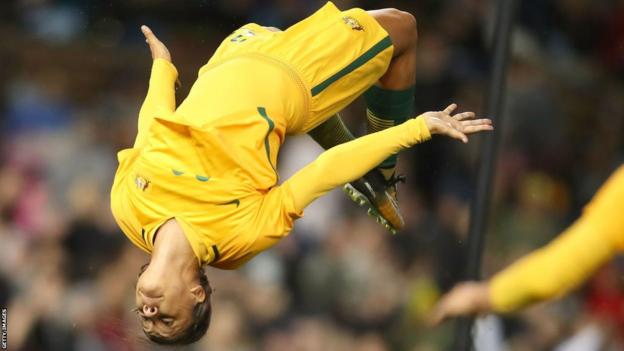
[
  {"x": 353, "y": 23},
  {"x": 141, "y": 183}
]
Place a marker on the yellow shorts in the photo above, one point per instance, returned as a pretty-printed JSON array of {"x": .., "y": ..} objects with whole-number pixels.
[{"x": 335, "y": 55}]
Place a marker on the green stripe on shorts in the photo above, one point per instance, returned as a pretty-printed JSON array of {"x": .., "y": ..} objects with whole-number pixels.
[
  {"x": 365, "y": 57},
  {"x": 267, "y": 147}
]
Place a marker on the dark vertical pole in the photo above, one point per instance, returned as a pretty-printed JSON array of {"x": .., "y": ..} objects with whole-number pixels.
[{"x": 505, "y": 10}]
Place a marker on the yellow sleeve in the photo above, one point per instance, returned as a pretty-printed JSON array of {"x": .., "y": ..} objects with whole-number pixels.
[
  {"x": 160, "y": 97},
  {"x": 571, "y": 258},
  {"x": 350, "y": 161}
]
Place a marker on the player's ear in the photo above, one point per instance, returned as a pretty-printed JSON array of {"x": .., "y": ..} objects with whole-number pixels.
[{"x": 198, "y": 293}]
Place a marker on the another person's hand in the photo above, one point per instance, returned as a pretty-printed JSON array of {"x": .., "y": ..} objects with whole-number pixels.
[
  {"x": 467, "y": 298},
  {"x": 158, "y": 49},
  {"x": 455, "y": 126}
]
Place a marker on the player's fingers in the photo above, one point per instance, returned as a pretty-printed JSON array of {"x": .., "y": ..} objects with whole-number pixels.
[
  {"x": 450, "y": 108},
  {"x": 436, "y": 317},
  {"x": 146, "y": 30},
  {"x": 478, "y": 128},
  {"x": 464, "y": 115},
  {"x": 474, "y": 126},
  {"x": 455, "y": 124},
  {"x": 442, "y": 311},
  {"x": 444, "y": 118},
  {"x": 456, "y": 134},
  {"x": 150, "y": 37},
  {"x": 476, "y": 122}
]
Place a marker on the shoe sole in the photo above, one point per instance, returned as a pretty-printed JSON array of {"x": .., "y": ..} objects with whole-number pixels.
[{"x": 361, "y": 200}]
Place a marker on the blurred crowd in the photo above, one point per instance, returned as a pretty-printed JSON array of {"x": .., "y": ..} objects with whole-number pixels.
[{"x": 72, "y": 78}]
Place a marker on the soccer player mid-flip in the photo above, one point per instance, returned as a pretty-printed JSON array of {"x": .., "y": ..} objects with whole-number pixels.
[{"x": 199, "y": 186}]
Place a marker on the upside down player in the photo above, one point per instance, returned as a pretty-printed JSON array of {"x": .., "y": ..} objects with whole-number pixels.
[
  {"x": 548, "y": 273},
  {"x": 199, "y": 187}
]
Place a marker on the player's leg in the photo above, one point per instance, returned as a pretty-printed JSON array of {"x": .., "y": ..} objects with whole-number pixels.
[
  {"x": 389, "y": 102},
  {"x": 339, "y": 55},
  {"x": 373, "y": 189},
  {"x": 332, "y": 132}
]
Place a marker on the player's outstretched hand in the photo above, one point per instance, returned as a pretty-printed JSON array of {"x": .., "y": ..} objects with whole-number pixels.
[
  {"x": 158, "y": 49},
  {"x": 456, "y": 126},
  {"x": 465, "y": 299}
]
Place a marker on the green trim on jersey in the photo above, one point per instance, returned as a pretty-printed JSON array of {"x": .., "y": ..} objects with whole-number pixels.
[
  {"x": 357, "y": 63},
  {"x": 267, "y": 147},
  {"x": 202, "y": 178}
]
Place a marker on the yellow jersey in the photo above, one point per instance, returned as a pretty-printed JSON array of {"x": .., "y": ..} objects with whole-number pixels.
[
  {"x": 571, "y": 258},
  {"x": 211, "y": 162}
]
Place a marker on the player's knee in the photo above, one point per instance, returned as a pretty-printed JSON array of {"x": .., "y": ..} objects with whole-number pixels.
[
  {"x": 401, "y": 26},
  {"x": 408, "y": 24}
]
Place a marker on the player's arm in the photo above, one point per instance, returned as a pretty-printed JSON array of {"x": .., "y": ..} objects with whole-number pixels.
[
  {"x": 350, "y": 161},
  {"x": 553, "y": 270},
  {"x": 161, "y": 91}
]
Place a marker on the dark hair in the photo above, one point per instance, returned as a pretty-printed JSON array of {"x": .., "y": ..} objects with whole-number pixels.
[{"x": 200, "y": 318}]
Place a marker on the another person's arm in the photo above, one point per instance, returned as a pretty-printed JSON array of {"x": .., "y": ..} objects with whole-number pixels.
[
  {"x": 554, "y": 270},
  {"x": 161, "y": 92},
  {"x": 350, "y": 161}
]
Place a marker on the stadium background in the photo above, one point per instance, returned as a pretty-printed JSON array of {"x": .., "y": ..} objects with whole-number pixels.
[{"x": 73, "y": 75}]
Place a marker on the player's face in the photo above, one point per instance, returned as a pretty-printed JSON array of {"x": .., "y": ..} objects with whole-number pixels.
[{"x": 164, "y": 305}]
